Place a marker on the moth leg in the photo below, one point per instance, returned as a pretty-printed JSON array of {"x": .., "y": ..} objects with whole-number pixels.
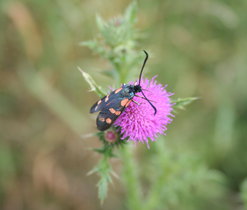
[{"x": 136, "y": 102}]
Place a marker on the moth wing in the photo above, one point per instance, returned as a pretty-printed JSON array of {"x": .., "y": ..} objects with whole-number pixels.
[
  {"x": 110, "y": 113},
  {"x": 98, "y": 105}
]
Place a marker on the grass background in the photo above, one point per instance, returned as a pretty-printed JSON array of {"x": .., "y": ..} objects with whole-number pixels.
[{"x": 196, "y": 47}]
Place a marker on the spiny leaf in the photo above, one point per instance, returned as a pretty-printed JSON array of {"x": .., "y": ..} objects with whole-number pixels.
[
  {"x": 93, "y": 86},
  {"x": 180, "y": 103},
  {"x": 104, "y": 170},
  {"x": 105, "y": 149},
  {"x": 95, "y": 46},
  {"x": 103, "y": 186},
  {"x": 107, "y": 30},
  {"x": 130, "y": 12},
  {"x": 102, "y": 25}
]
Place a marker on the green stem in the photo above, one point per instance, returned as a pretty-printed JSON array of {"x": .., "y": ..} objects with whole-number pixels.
[
  {"x": 154, "y": 196},
  {"x": 103, "y": 169},
  {"x": 130, "y": 177}
]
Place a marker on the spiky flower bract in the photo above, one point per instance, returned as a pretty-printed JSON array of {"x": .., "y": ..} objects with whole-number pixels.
[{"x": 138, "y": 122}]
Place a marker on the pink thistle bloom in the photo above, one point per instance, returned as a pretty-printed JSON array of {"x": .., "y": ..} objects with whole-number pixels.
[{"x": 138, "y": 122}]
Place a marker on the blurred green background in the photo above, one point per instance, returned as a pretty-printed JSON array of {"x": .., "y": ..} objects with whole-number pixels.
[{"x": 197, "y": 47}]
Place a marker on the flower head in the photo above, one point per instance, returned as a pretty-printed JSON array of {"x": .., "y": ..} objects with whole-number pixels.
[
  {"x": 138, "y": 122},
  {"x": 110, "y": 136}
]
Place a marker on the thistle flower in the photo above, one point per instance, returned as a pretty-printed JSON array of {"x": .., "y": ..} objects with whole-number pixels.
[
  {"x": 138, "y": 122},
  {"x": 110, "y": 136}
]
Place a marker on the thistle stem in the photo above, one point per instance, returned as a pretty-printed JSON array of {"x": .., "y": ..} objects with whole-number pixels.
[
  {"x": 154, "y": 200},
  {"x": 130, "y": 178}
]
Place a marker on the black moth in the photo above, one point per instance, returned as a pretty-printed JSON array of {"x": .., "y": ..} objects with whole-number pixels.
[{"x": 112, "y": 105}]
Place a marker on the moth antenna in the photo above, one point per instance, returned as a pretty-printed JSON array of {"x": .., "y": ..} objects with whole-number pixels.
[
  {"x": 143, "y": 65},
  {"x": 155, "y": 110},
  {"x": 143, "y": 98},
  {"x": 146, "y": 89}
]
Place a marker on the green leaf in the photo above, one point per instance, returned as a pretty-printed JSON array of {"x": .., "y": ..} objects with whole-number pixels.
[
  {"x": 180, "y": 103},
  {"x": 107, "y": 30},
  {"x": 93, "y": 86},
  {"x": 104, "y": 150},
  {"x": 103, "y": 187},
  {"x": 104, "y": 170},
  {"x": 102, "y": 25},
  {"x": 95, "y": 46},
  {"x": 130, "y": 13}
]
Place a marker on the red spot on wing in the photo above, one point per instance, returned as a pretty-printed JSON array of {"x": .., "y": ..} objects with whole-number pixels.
[
  {"x": 127, "y": 104},
  {"x": 118, "y": 90},
  {"x": 108, "y": 120},
  {"x": 118, "y": 113},
  {"x": 113, "y": 111},
  {"x": 107, "y": 98},
  {"x": 124, "y": 101}
]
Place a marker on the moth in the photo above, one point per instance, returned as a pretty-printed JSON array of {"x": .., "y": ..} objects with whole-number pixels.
[{"x": 111, "y": 106}]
